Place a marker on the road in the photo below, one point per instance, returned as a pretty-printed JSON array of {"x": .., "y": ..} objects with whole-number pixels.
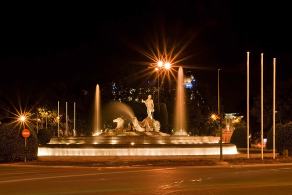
[{"x": 42, "y": 180}]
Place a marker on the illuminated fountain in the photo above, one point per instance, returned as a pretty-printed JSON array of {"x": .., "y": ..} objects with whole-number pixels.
[
  {"x": 134, "y": 138},
  {"x": 180, "y": 111},
  {"x": 97, "y": 116}
]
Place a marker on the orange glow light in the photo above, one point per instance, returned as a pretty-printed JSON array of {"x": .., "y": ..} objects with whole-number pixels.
[
  {"x": 159, "y": 63},
  {"x": 167, "y": 65}
]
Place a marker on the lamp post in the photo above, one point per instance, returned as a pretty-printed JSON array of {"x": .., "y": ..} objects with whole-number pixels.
[
  {"x": 247, "y": 104},
  {"x": 66, "y": 130},
  {"x": 219, "y": 114},
  {"x": 46, "y": 113},
  {"x": 74, "y": 120},
  {"x": 262, "y": 105},
  {"x": 274, "y": 108},
  {"x": 160, "y": 66},
  {"x": 58, "y": 119},
  {"x": 37, "y": 124},
  {"x": 25, "y": 132}
]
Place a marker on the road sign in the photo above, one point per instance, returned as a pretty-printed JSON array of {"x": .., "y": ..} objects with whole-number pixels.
[{"x": 25, "y": 133}]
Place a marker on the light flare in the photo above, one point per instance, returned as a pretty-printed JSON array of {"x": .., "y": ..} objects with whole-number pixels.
[{"x": 164, "y": 56}]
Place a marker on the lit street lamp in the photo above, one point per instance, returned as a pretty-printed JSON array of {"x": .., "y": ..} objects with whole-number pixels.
[
  {"x": 167, "y": 66},
  {"x": 22, "y": 119},
  {"x": 160, "y": 66},
  {"x": 214, "y": 117}
]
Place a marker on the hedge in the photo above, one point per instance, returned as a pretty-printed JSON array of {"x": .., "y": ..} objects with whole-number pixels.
[
  {"x": 239, "y": 136},
  {"x": 283, "y": 136},
  {"x": 44, "y": 136}
]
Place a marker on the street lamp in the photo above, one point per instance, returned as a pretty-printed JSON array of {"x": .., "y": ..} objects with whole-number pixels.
[
  {"x": 22, "y": 119},
  {"x": 219, "y": 114},
  {"x": 160, "y": 66},
  {"x": 167, "y": 66},
  {"x": 46, "y": 113},
  {"x": 37, "y": 124},
  {"x": 274, "y": 108},
  {"x": 214, "y": 117},
  {"x": 247, "y": 104}
]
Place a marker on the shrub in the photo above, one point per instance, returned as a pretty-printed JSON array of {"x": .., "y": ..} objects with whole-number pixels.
[
  {"x": 239, "y": 136},
  {"x": 12, "y": 144},
  {"x": 44, "y": 136},
  {"x": 283, "y": 136}
]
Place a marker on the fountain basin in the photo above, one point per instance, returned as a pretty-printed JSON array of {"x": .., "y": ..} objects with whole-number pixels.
[
  {"x": 137, "y": 140},
  {"x": 135, "y": 146}
]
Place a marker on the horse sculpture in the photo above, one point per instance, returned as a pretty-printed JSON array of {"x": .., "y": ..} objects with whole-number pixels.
[{"x": 147, "y": 124}]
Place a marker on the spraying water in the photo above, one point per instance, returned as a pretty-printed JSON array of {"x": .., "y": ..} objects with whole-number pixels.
[
  {"x": 97, "y": 115},
  {"x": 180, "y": 111},
  {"x": 118, "y": 109}
]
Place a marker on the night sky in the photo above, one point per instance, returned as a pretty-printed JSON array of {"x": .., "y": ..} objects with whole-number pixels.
[{"x": 83, "y": 44}]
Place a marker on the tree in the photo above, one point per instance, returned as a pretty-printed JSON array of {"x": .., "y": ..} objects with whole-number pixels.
[
  {"x": 239, "y": 135},
  {"x": 284, "y": 102},
  {"x": 283, "y": 107},
  {"x": 283, "y": 137}
]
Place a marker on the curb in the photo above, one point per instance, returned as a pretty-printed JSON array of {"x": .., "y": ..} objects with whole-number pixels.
[{"x": 219, "y": 164}]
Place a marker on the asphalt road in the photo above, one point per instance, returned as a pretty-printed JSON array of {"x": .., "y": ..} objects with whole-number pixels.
[{"x": 42, "y": 180}]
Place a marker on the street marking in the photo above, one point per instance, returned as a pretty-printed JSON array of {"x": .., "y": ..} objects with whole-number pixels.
[
  {"x": 2, "y": 174},
  {"x": 286, "y": 168},
  {"x": 197, "y": 180},
  {"x": 81, "y": 175}
]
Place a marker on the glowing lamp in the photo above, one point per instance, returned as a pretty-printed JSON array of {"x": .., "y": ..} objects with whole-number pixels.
[{"x": 167, "y": 65}]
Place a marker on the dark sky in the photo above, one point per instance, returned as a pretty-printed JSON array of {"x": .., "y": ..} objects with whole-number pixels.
[{"x": 78, "y": 43}]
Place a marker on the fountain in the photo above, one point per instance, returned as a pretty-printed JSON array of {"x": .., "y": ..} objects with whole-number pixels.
[
  {"x": 96, "y": 116},
  {"x": 180, "y": 111},
  {"x": 136, "y": 138},
  {"x": 127, "y": 123}
]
